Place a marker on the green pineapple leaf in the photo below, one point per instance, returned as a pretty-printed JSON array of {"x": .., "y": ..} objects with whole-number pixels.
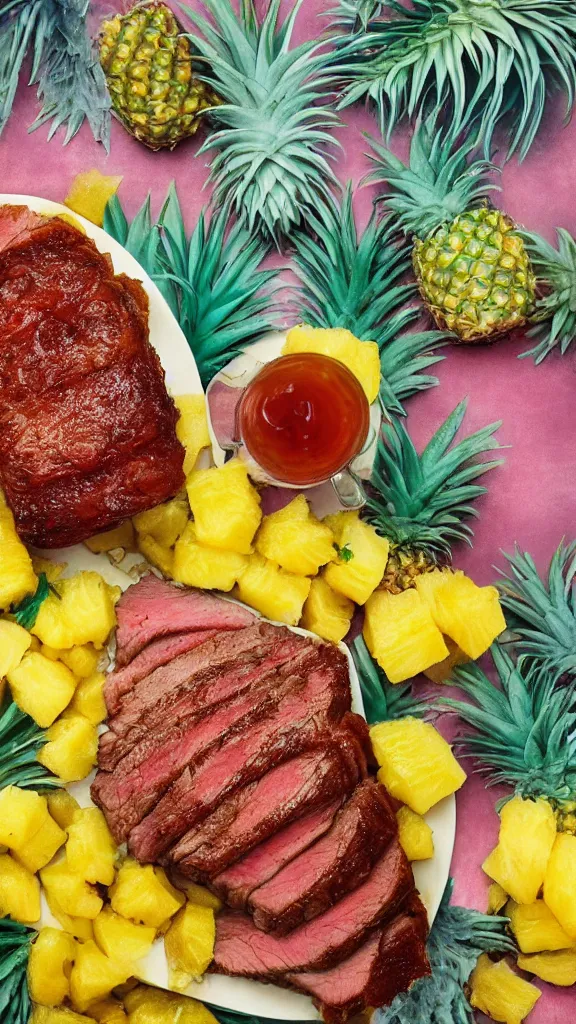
[
  {"x": 555, "y": 312},
  {"x": 420, "y": 501},
  {"x": 524, "y": 730},
  {"x": 269, "y": 146},
  {"x": 542, "y": 613},
  {"x": 457, "y": 938},
  {"x": 488, "y": 59},
  {"x": 65, "y": 67},
  {"x": 15, "y": 1004},
  {"x": 26, "y": 611},
  {"x": 20, "y": 741},
  {"x": 382, "y": 700},
  {"x": 355, "y": 15}
]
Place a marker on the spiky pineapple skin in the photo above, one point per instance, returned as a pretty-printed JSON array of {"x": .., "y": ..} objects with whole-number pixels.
[
  {"x": 149, "y": 73},
  {"x": 475, "y": 275},
  {"x": 403, "y": 568}
]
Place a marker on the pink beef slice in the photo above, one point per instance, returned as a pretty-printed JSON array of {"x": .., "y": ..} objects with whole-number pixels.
[
  {"x": 388, "y": 963},
  {"x": 153, "y": 608},
  {"x": 242, "y": 949},
  {"x": 236, "y": 883},
  {"x": 337, "y": 863}
]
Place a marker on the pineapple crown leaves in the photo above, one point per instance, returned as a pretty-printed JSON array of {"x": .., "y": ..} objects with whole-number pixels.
[
  {"x": 555, "y": 312},
  {"x": 420, "y": 500},
  {"x": 495, "y": 59},
  {"x": 26, "y": 611},
  {"x": 15, "y": 939},
  {"x": 20, "y": 741},
  {"x": 382, "y": 700},
  {"x": 270, "y": 147},
  {"x": 525, "y": 729},
  {"x": 355, "y": 15},
  {"x": 211, "y": 281},
  {"x": 65, "y": 67},
  {"x": 542, "y": 613},
  {"x": 438, "y": 184},
  {"x": 457, "y": 938}
]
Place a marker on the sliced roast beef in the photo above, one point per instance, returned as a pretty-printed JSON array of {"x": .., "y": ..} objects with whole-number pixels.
[
  {"x": 153, "y": 608},
  {"x": 334, "y": 865},
  {"x": 242, "y": 949},
  {"x": 236, "y": 883},
  {"x": 389, "y": 962}
]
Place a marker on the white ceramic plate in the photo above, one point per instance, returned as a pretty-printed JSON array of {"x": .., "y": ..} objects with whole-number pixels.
[{"x": 182, "y": 378}]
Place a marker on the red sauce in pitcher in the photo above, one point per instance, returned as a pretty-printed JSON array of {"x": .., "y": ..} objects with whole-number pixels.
[{"x": 303, "y": 418}]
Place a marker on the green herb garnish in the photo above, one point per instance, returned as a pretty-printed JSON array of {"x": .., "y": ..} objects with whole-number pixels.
[{"x": 27, "y": 610}]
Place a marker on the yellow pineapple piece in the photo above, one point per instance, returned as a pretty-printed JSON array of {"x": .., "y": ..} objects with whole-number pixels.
[
  {"x": 156, "y": 554},
  {"x": 535, "y": 927},
  {"x": 78, "y": 927},
  {"x": 500, "y": 993},
  {"x": 14, "y": 642},
  {"x": 153, "y": 1006},
  {"x": 81, "y": 660},
  {"x": 22, "y": 813},
  {"x": 200, "y": 896},
  {"x": 83, "y": 612},
  {"x": 62, "y": 805},
  {"x": 295, "y": 539},
  {"x": 57, "y": 1015},
  {"x": 189, "y": 944},
  {"x": 275, "y": 593},
  {"x": 120, "y": 537},
  {"x": 91, "y": 850},
  {"x": 71, "y": 893},
  {"x": 165, "y": 523},
  {"x": 72, "y": 748},
  {"x": 401, "y": 635},
  {"x": 470, "y": 615},
  {"x": 326, "y": 612},
  {"x": 362, "y": 560},
  {"x": 40, "y": 849},
  {"x": 19, "y": 891},
  {"x": 557, "y": 968},
  {"x": 108, "y": 1011},
  {"x": 361, "y": 357},
  {"x": 526, "y": 838},
  {"x": 192, "y": 427},
  {"x": 441, "y": 672},
  {"x": 560, "y": 882},
  {"x": 41, "y": 687},
  {"x": 94, "y": 975},
  {"x": 90, "y": 192},
  {"x": 417, "y": 765},
  {"x": 496, "y": 898},
  {"x": 415, "y": 835},
  {"x": 209, "y": 568},
  {"x": 17, "y": 577},
  {"x": 52, "y": 570},
  {"x": 51, "y": 958},
  {"x": 225, "y": 506},
  {"x": 143, "y": 894},
  {"x": 121, "y": 939},
  {"x": 88, "y": 699}
]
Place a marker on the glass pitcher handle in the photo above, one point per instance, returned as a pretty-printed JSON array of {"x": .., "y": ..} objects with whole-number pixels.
[{"x": 348, "y": 489}]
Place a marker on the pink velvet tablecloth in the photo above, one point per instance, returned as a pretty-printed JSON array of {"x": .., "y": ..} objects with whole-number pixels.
[{"x": 531, "y": 498}]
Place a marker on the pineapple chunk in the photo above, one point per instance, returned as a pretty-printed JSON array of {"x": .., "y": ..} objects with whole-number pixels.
[
  {"x": 120, "y": 537},
  {"x": 14, "y": 642},
  {"x": 17, "y": 577},
  {"x": 189, "y": 944},
  {"x": 156, "y": 554},
  {"x": 275, "y": 593},
  {"x": 143, "y": 894},
  {"x": 121, "y": 939},
  {"x": 225, "y": 505},
  {"x": 94, "y": 975},
  {"x": 558, "y": 968},
  {"x": 108, "y": 1011},
  {"x": 22, "y": 814},
  {"x": 79, "y": 927},
  {"x": 165, "y": 523},
  {"x": 62, "y": 805},
  {"x": 535, "y": 927},
  {"x": 401, "y": 635},
  {"x": 200, "y": 896},
  {"x": 360, "y": 566},
  {"x": 19, "y": 891},
  {"x": 560, "y": 882},
  {"x": 152, "y": 1006},
  {"x": 88, "y": 699},
  {"x": 200, "y": 566},
  {"x": 496, "y": 898},
  {"x": 417, "y": 765},
  {"x": 500, "y": 993},
  {"x": 41, "y": 687},
  {"x": 83, "y": 612},
  {"x": 361, "y": 357},
  {"x": 82, "y": 660},
  {"x": 192, "y": 427},
  {"x": 295, "y": 539},
  {"x": 526, "y": 838},
  {"x": 70, "y": 892},
  {"x": 91, "y": 850},
  {"x": 326, "y": 612},
  {"x": 40, "y": 849},
  {"x": 415, "y": 835},
  {"x": 72, "y": 748},
  {"x": 89, "y": 194},
  {"x": 51, "y": 958},
  {"x": 57, "y": 1015},
  {"x": 471, "y": 616},
  {"x": 441, "y": 672}
]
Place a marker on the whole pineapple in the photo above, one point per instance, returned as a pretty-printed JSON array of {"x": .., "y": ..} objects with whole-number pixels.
[{"x": 150, "y": 77}]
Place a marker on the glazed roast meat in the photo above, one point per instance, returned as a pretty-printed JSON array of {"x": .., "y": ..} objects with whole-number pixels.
[
  {"x": 87, "y": 429},
  {"x": 234, "y": 759}
]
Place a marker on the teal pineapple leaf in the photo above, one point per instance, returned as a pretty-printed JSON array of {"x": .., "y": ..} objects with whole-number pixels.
[
  {"x": 15, "y": 1003},
  {"x": 26, "y": 611},
  {"x": 20, "y": 742},
  {"x": 555, "y": 313}
]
